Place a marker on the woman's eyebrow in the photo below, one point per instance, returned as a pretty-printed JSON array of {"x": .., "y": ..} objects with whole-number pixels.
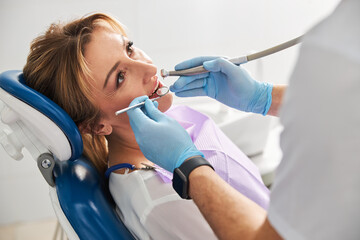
[
  {"x": 116, "y": 64},
  {"x": 110, "y": 72}
]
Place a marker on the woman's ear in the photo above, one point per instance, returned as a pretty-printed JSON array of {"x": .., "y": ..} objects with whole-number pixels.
[{"x": 100, "y": 128}]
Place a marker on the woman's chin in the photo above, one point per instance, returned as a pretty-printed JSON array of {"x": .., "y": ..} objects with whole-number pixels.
[{"x": 165, "y": 102}]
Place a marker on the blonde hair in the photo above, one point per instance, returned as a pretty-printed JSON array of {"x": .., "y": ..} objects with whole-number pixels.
[{"x": 56, "y": 67}]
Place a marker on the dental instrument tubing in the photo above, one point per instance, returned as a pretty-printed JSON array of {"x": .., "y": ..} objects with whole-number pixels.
[{"x": 237, "y": 61}]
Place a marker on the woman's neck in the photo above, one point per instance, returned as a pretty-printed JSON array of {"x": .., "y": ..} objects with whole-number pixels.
[{"x": 121, "y": 151}]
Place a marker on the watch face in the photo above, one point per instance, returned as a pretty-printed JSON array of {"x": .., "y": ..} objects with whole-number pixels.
[
  {"x": 181, "y": 174},
  {"x": 180, "y": 183}
]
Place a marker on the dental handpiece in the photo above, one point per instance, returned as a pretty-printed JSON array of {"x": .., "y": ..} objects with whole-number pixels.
[{"x": 237, "y": 61}]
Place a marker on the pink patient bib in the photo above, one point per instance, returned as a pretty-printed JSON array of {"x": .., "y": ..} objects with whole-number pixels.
[
  {"x": 165, "y": 175},
  {"x": 229, "y": 162}
]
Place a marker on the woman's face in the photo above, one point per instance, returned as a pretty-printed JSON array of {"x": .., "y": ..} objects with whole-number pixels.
[{"x": 121, "y": 72}]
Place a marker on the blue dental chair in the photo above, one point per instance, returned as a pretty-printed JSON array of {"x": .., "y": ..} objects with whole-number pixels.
[{"x": 79, "y": 194}]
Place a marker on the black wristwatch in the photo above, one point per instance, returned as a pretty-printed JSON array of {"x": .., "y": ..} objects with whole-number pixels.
[{"x": 181, "y": 175}]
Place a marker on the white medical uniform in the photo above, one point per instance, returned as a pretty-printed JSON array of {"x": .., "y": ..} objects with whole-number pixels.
[{"x": 316, "y": 194}]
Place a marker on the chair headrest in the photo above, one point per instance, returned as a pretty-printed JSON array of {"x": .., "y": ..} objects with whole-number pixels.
[{"x": 13, "y": 83}]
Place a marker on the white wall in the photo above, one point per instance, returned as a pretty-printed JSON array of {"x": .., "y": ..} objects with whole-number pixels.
[{"x": 169, "y": 31}]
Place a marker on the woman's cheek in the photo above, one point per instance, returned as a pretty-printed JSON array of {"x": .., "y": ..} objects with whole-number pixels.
[{"x": 165, "y": 102}]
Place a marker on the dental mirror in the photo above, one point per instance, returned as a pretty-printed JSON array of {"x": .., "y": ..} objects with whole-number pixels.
[{"x": 160, "y": 92}]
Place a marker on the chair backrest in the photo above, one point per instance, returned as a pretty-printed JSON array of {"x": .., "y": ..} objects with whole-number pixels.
[
  {"x": 81, "y": 191},
  {"x": 85, "y": 198}
]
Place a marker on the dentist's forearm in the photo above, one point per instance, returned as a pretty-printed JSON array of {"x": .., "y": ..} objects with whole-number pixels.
[
  {"x": 277, "y": 98},
  {"x": 230, "y": 214}
]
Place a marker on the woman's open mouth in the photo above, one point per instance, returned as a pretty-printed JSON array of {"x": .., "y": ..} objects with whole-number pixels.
[{"x": 154, "y": 94}]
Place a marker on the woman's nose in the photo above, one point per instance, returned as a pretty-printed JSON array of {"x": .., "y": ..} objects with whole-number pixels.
[{"x": 145, "y": 70}]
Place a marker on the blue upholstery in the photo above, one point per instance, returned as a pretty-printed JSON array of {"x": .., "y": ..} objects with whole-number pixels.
[
  {"x": 13, "y": 83},
  {"x": 83, "y": 193}
]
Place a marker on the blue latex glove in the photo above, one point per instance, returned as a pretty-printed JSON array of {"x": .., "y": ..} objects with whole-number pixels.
[
  {"x": 226, "y": 82},
  {"x": 161, "y": 139}
]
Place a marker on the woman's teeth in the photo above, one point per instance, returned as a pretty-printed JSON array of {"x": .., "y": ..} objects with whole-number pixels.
[
  {"x": 153, "y": 93},
  {"x": 157, "y": 87}
]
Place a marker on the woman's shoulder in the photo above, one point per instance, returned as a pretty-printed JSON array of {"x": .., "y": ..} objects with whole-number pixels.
[
  {"x": 151, "y": 208},
  {"x": 136, "y": 195},
  {"x": 141, "y": 184}
]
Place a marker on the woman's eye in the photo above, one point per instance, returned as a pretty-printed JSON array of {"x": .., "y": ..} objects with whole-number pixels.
[
  {"x": 129, "y": 48},
  {"x": 120, "y": 78}
]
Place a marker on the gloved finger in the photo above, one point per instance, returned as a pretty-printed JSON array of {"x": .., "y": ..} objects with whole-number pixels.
[
  {"x": 136, "y": 115},
  {"x": 138, "y": 100},
  {"x": 194, "y": 62},
  {"x": 184, "y": 80},
  {"x": 156, "y": 104},
  {"x": 192, "y": 93},
  {"x": 152, "y": 111},
  {"x": 218, "y": 65},
  {"x": 198, "y": 83},
  {"x": 137, "y": 119}
]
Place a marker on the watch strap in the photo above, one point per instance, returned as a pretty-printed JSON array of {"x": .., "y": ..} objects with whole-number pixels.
[
  {"x": 188, "y": 166},
  {"x": 181, "y": 175}
]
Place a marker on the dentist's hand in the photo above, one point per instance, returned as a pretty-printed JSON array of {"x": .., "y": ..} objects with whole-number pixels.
[
  {"x": 226, "y": 82},
  {"x": 162, "y": 140}
]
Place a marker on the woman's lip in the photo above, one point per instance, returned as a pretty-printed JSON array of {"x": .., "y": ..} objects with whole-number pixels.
[{"x": 157, "y": 82}]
